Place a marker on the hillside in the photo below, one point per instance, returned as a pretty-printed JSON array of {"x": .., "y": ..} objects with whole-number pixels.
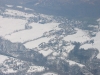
[{"x": 33, "y": 42}]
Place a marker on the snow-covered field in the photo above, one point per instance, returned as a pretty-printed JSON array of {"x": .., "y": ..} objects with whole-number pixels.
[
  {"x": 3, "y": 58},
  {"x": 31, "y": 34},
  {"x": 14, "y": 30},
  {"x": 81, "y": 36},
  {"x": 9, "y": 25},
  {"x": 96, "y": 44}
]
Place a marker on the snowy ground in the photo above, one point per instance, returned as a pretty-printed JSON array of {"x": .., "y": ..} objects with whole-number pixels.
[
  {"x": 3, "y": 58},
  {"x": 36, "y": 69},
  {"x": 34, "y": 33},
  {"x": 81, "y": 36},
  {"x": 50, "y": 73},
  {"x": 71, "y": 63},
  {"x": 96, "y": 44},
  {"x": 19, "y": 6},
  {"x": 9, "y": 6},
  {"x": 14, "y": 30},
  {"x": 9, "y": 71},
  {"x": 9, "y": 25},
  {"x": 46, "y": 53}
]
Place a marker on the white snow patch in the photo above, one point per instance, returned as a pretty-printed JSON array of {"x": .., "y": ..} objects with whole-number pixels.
[
  {"x": 9, "y": 71},
  {"x": 36, "y": 69},
  {"x": 98, "y": 20},
  {"x": 45, "y": 27},
  {"x": 97, "y": 41},
  {"x": 19, "y": 6},
  {"x": 64, "y": 54},
  {"x": 86, "y": 46},
  {"x": 73, "y": 63},
  {"x": 9, "y": 6},
  {"x": 81, "y": 36},
  {"x": 69, "y": 48},
  {"x": 9, "y": 25},
  {"x": 27, "y": 9},
  {"x": 56, "y": 54},
  {"x": 96, "y": 44},
  {"x": 3, "y": 58},
  {"x": 95, "y": 26},
  {"x": 46, "y": 52},
  {"x": 50, "y": 73},
  {"x": 36, "y": 4}
]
